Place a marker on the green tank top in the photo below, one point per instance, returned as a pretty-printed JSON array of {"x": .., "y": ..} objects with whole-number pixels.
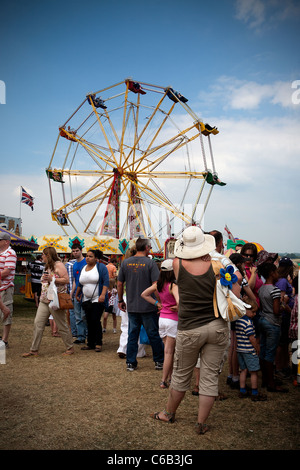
[{"x": 195, "y": 298}]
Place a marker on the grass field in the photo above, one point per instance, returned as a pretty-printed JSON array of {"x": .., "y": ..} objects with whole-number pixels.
[{"x": 89, "y": 401}]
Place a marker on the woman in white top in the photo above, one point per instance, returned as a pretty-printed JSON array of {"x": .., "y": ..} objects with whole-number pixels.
[{"x": 92, "y": 291}]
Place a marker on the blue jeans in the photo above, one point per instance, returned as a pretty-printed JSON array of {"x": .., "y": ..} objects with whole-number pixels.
[
  {"x": 269, "y": 339},
  {"x": 80, "y": 321},
  {"x": 150, "y": 322},
  {"x": 73, "y": 322}
]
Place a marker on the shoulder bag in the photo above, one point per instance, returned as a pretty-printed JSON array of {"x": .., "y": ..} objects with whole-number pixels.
[{"x": 225, "y": 302}]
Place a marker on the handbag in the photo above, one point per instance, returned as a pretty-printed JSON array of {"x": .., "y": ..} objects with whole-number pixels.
[
  {"x": 87, "y": 304},
  {"x": 65, "y": 301},
  {"x": 225, "y": 302}
]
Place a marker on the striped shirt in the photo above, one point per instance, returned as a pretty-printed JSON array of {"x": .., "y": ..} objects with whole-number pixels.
[
  {"x": 8, "y": 260},
  {"x": 267, "y": 294},
  {"x": 69, "y": 266},
  {"x": 244, "y": 328}
]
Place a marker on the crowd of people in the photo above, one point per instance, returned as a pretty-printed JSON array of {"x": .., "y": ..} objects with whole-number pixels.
[{"x": 172, "y": 302}]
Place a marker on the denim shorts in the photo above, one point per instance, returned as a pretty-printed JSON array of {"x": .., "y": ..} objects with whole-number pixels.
[
  {"x": 210, "y": 341},
  {"x": 248, "y": 361},
  {"x": 269, "y": 339}
]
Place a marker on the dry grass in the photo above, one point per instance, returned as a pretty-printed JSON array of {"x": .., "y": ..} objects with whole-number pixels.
[{"x": 89, "y": 401}]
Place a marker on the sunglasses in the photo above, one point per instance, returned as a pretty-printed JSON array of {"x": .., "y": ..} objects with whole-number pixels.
[{"x": 248, "y": 256}]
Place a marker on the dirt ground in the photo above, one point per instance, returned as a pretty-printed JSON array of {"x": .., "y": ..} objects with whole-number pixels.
[{"x": 88, "y": 401}]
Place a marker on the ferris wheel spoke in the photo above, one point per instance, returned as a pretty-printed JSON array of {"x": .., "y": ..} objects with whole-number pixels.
[
  {"x": 162, "y": 199},
  {"x": 102, "y": 129},
  {"x": 182, "y": 142},
  {"x": 146, "y": 125}
]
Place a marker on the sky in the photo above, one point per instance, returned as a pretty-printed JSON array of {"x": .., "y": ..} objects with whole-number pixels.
[{"x": 237, "y": 61}]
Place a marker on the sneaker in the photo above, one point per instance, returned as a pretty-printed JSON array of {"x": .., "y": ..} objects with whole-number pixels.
[
  {"x": 235, "y": 384},
  {"x": 103, "y": 330},
  {"x": 131, "y": 367},
  {"x": 259, "y": 397},
  {"x": 114, "y": 330},
  {"x": 159, "y": 365}
]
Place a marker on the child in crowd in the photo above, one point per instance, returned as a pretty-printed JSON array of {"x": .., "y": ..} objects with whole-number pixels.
[
  {"x": 166, "y": 293},
  {"x": 269, "y": 324},
  {"x": 112, "y": 294},
  {"x": 248, "y": 352}
]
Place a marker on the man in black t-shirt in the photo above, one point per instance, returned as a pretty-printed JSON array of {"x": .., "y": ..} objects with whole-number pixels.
[{"x": 139, "y": 272}]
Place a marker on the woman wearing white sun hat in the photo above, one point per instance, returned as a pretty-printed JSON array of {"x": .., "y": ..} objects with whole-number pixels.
[{"x": 199, "y": 331}]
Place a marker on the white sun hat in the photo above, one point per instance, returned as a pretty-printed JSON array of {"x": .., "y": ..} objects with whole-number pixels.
[{"x": 194, "y": 243}]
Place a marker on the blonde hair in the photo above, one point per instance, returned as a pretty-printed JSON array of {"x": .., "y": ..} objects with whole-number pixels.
[{"x": 251, "y": 302}]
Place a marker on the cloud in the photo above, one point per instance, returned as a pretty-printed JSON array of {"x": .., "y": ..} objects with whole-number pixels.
[
  {"x": 252, "y": 12},
  {"x": 258, "y": 14},
  {"x": 236, "y": 94}
]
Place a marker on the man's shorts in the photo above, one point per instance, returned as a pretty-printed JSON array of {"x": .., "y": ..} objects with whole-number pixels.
[
  {"x": 36, "y": 287},
  {"x": 7, "y": 297}
]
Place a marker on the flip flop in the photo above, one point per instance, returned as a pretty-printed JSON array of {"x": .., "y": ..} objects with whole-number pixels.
[
  {"x": 29, "y": 354},
  {"x": 170, "y": 416},
  {"x": 201, "y": 428},
  {"x": 68, "y": 352},
  {"x": 163, "y": 384}
]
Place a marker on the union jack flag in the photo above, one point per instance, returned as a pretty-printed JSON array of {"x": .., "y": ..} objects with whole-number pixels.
[{"x": 26, "y": 198}]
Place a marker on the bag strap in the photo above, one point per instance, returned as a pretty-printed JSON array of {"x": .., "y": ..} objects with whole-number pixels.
[
  {"x": 216, "y": 265},
  {"x": 215, "y": 304}
]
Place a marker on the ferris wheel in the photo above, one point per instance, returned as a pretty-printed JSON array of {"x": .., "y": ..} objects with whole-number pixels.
[{"x": 132, "y": 158}]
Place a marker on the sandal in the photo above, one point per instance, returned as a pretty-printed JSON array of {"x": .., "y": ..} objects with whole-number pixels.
[
  {"x": 163, "y": 384},
  {"x": 30, "y": 354},
  {"x": 201, "y": 428},
  {"x": 170, "y": 416},
  {"x": 98, "y": 348},
  {"x": 68, "y": 352}
]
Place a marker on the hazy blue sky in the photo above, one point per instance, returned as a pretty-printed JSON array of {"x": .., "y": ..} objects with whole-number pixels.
[{"x": 236, "y": 60}]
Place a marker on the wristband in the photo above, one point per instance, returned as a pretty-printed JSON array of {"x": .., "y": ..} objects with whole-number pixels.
[
  {"x": 120, "y": 301},
  {"x": 156, "y": 302}
]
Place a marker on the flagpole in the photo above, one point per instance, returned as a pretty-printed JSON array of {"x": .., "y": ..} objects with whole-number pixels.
[{"x": 20, "y": 200}]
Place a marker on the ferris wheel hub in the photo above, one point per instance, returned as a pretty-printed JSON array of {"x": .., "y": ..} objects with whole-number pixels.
[{"x": 119, "y": 170}]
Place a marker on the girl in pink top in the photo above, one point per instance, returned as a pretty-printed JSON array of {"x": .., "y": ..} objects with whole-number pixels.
[{"x": 166, "y": 293}]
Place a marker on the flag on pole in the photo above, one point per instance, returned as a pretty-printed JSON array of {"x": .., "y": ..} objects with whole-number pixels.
[
  {"x": 26, "y": 198},
  {"x": 229, "y": 234}
]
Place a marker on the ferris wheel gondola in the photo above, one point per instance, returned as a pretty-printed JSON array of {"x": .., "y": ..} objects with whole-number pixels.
[{"x": 126, "y": 149}]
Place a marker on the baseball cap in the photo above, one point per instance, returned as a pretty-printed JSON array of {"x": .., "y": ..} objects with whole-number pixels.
[
  {"x": 285, "y": 261},
  {"x": 5, "y": 236},
  {"x": 167, "y": 265}
]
